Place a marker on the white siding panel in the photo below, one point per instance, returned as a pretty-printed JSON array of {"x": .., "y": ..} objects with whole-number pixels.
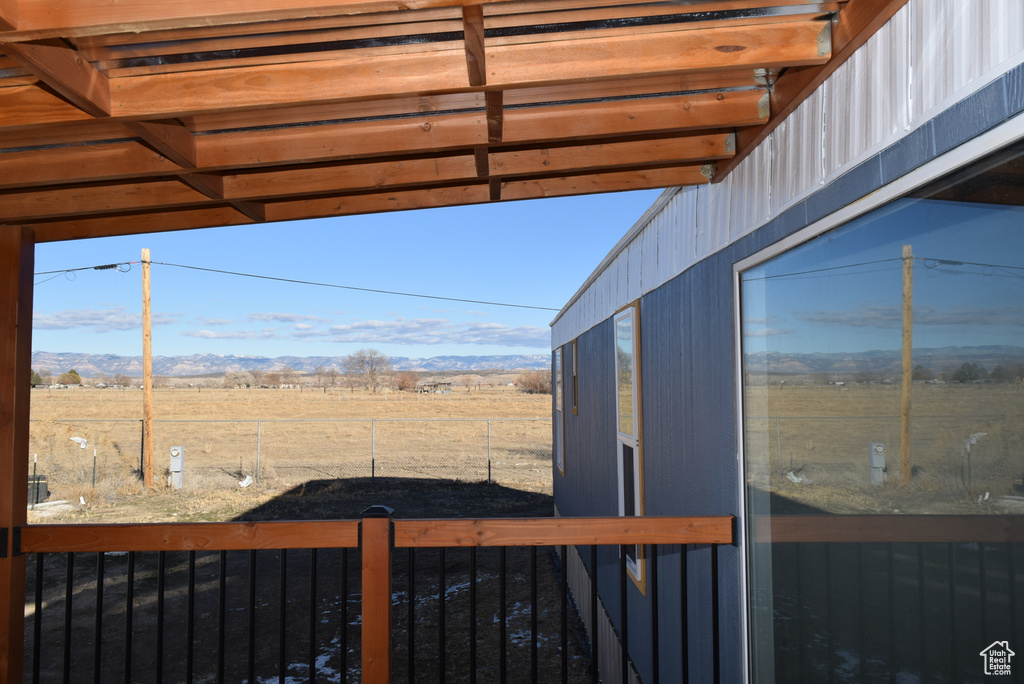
[
  {"x": 797, "y": 164},
  {"x": 750, "y": 192},
  {"x": 676, "y": 252},
  {"x": 866, "y": 100},
  {"x": 650, "y": 247},
  {"x": 1008, "y": 41},
  {"x": 713, "y": 217},
  {"x": 634, "y": 271}
]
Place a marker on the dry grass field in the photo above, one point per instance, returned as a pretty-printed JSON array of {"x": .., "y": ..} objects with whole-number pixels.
[
  {"x": 280, "y": 438},
  {"x": 821, "y": 434}
]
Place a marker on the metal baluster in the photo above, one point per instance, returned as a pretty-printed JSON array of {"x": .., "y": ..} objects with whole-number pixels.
[
  {"x": 502, "y": 627},
  {"x": 69, "y": 592},
  {"x": 190, "y": 624},
  {"x": 564, "y": 590},
  {"x": 624, "y": 614},
  {"x": 222, "y": 600},
  {"x": 98, "y": 627},
  {"x": 472, "y": 615},
  {"x": 252, "y": 617},
  {"x": 533, "y": 614},
  {"x": 655, "y": 650},
  {"x": 412, "y": 616},
  {"x": 595, "y": 675},
  {"x": 440, "y": 617},
  {"x": 312, "y": 615},
  {"x": 160, "y": 589},
  {"x": 37, "y": 634},
  {"x": 129, "y": 617},
  {"x": 282, "y": 614}
]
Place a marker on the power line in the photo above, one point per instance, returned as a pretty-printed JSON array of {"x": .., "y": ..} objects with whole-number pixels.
[{"x": 357, "y": 289}]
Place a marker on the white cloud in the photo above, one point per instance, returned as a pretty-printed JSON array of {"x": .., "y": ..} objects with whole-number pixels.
[
  {"x": 233, "y": 335},
  {"x": 98, "y": 321},
  {"x": 440, "y": 331},
  {"x": 282, "y": 317},
  {"x": 215, "y": 321}
]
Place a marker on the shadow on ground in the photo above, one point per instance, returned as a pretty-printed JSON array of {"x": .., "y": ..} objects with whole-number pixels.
[{"x": 409, "y": 497}]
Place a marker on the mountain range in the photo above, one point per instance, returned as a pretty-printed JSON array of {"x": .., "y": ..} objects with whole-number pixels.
[
  {"x": 90, "y": 365},
  {"x": 883, "y": 360}
]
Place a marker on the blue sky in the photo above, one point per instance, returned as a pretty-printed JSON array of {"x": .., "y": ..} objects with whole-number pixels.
[{"x": 534, "y": 253}]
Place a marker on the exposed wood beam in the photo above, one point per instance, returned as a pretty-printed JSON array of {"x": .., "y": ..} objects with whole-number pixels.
[
  {"x": 516, "y": 66},
  {"x": 82, "y": 164},
  {"x": 46, "y": 203},
  {"x": 858, "y": 21},
  {"x": 257, "y": 211},
  {"x": 31, "y": 105},
  {"x": 169, "y": 138},
  {"x": 8, "y": 15},
  {"x": 608, "y": 155},
  {"x": 495, "y": 115},
  {"x": 473, "y": 30},
  {"x": 210, "y": 184},
  {"x": 82, "y": 227},
  {"x": 16, "y": 266},
  {"x": 402, "y": 200},
  {"x": 67, "y": 72},
  {"x": 534, "y": 126},
  {"x": 603, "y": 182},
  {"x": 483, "y": 167},
  {"x": 494, "y": 189}
]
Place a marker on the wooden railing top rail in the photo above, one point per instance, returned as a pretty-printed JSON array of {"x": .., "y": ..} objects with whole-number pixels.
[
  {"x": 889, "y": 528},
  {"x": 556, "y": 531},
  {"x": 228, "y": 536},
  {"x": 345, "y": 534}
]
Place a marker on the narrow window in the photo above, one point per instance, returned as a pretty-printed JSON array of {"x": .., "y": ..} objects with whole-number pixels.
[
  {"x": 630, "y": 458},
  {"x": 559, "y": 415},
  {"x": 575, "y": 386}
]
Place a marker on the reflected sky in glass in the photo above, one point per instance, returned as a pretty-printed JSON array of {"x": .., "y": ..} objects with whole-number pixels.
[{"x": 842, "y": 292}]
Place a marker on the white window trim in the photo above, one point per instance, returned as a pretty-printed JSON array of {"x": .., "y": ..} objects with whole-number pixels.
[{"x": 635, "y": 570}]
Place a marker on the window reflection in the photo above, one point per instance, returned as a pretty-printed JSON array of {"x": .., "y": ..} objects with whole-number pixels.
[
  {"x": 624, "y": 371},
  {"x": 895, "y": 594}
]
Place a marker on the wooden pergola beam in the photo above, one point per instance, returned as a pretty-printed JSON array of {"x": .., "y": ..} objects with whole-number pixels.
[
  {"x": 473, "y": 31},
  {"x": 67, "y": 72},
  {"x": 16, "y": 265},
  {"x": 515, "y": 66},
  {"x": 170, "y": 139}
]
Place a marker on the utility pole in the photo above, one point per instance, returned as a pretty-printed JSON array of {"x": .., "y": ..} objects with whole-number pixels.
[
  {"x": 147, "y": 376},
  {"x": 906, "y": 464}
]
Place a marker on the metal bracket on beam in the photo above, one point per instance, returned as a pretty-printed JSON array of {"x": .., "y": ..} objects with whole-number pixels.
[
  {"x": 4, "y": 536},
  {"x": 708, "y": 171}
]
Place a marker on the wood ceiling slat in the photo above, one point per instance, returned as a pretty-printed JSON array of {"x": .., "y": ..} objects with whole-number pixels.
[
  {"x": 61, "y": 133},
  {"x": 464, "y": 131},
  {"x": 169, "y": 138},
  {"x": 403, "y": 200},
  {"x": 8, "y": 15},
  {"x": 298, "y": 58},
  {"x": 692, "y": 6},
  {"x": 350, "y": 177},
  {"x": 578, "y": 158},
  {"x": 108, "y": 55},
  {"x": 39, "y": 19},
  {"x": 507, "y": 67},
  {"x": 54, "y": 202},
  {"x": 589, "y": 184}
]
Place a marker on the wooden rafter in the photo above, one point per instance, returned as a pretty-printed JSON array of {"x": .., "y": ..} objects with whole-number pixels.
[{"x": 120, "y": 117}]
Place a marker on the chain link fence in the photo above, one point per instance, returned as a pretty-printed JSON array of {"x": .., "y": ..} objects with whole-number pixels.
[{"x": 222, "y": 453}]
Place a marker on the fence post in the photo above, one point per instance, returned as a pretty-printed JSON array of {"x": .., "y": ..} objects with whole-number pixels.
[
  {"x": 373, "y": 449},
  {"x": 377, "y": 540},
  {"x": 259, "y": 444},
  {"x": 488, "y": 452}
]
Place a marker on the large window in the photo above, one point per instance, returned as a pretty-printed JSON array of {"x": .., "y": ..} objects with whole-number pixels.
[
  {"x": 630, "y": 458},
  {"x": 882, "y": 371}
]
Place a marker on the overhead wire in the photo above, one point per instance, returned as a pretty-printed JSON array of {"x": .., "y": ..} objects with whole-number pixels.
[{"x": 118, "y": 267}]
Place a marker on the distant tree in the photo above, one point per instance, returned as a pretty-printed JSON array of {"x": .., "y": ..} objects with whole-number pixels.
[
  {"x": 257, "y": 377},
  {"x": 46, "y": 375},
  {"x": 922, "y": 373},
  {"x": 234, "y": 379},
  {"x": 122, "y": 380},
  {"x": 289, "y": 376},
  {"x": 970, "y": 372},
  {"x": 407, "y": 380},
  {"x": 37, "y": 379},
  {"x": 332, "y": 376},
  {"x": 70, "y": 378},
  {"x": 469, "y": 381},
  {"x": 369, "y": 367},
  {"x": 272, "y": 379},
  {"x": 319, "y": 373},
  {"x": 535, "y": 382}
]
